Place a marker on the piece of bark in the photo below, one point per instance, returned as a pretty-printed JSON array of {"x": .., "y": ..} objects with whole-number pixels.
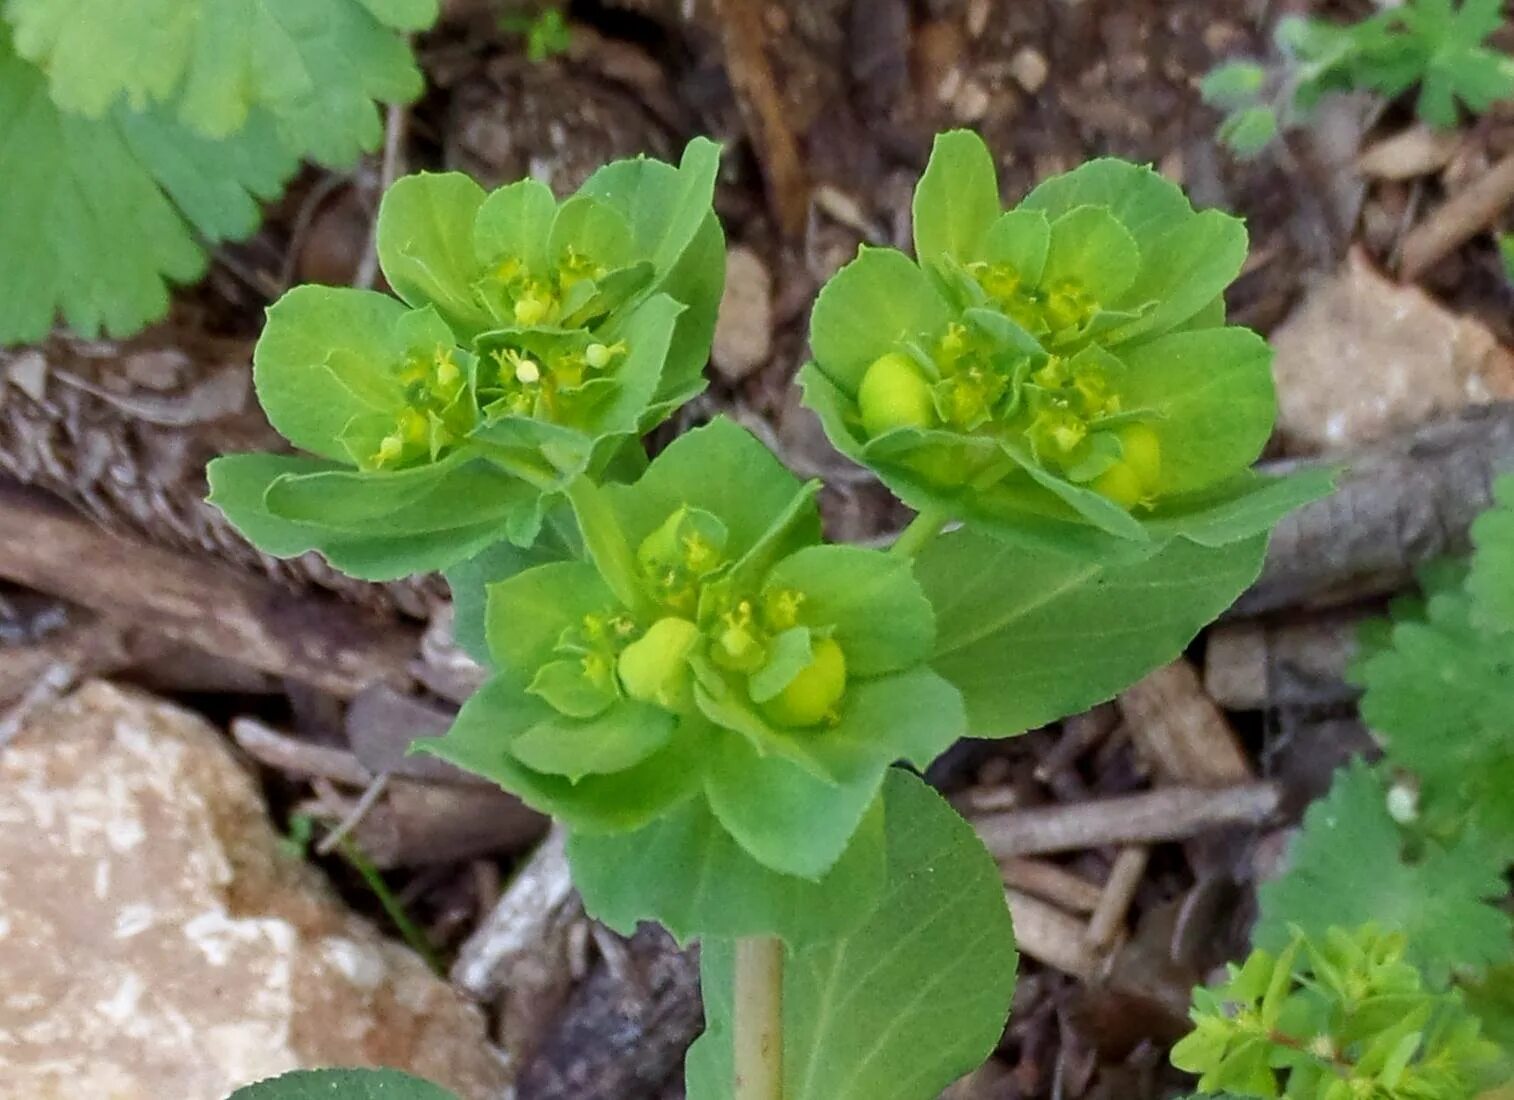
[
  {"x": 1051, "y": 882},
  {"x": 1250, "y": 664},
  {"x": 1050, "y": 936},
  {"x": 1171, "y": 813},
  {"x": 1416, "y": 150},
  {"x": 296, "y": 756},
  {"x": 87, "y": 646},
  {"x": 382, "y": 724},
  {"x": 122, "y": 431},
  {"x": 1395, "y": 507},
  {"x": 625, "y": 1030},
  {"x": 208, "y": 605},
  {"x": 420, "y": 824},
  {"x": 1108, "y": 918},
  {"x": 1459, "y": 219},
  {"x": 538, "y": 899},
  {"x": 1177, "y": 727}
]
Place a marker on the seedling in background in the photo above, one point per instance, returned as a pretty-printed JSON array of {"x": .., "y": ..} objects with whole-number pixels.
[
  {"x": 1437, "y": 46},
  {"x": 712, "y": 699}
]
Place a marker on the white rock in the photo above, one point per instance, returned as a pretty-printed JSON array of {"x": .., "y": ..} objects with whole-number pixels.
[
  {"x": 1363, "y": 357},
  {"x": 156, "y": 943},
  {"x": 744, "y": 332}
]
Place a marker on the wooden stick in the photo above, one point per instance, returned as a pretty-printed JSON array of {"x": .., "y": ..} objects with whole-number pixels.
[
  {"x": 1463, "y": 216},
  {"x": 295, "y": 756},
  {"x": 1180, "y": 730},
  {"x": 745, "y": 35},
  {"x": 1172, "y": 813},
  {"x": 1119, "y": 891},
  {"x": 213, "y": 607},
  {"x": 536, "y": 900},
  {"x": 1050, "y": 936},
  {"x": 1395, "y": 507},
  {"x": 1056, "y": 884}
]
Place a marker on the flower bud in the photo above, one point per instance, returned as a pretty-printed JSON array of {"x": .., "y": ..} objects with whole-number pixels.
[
  {"x": 813, "y": 694},
  {"x": 894, "y": 394},
  {"x": 655, "y": 667}
]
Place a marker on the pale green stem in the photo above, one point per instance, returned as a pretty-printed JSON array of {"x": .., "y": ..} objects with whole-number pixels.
[
  {"x": 921, "y": 530},
  {"x": 757, "y": 1019},
  {"x": 606, "y": 544}
]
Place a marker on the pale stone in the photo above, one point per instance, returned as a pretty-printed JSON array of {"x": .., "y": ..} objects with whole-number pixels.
[
  {"x": 1364, "y": 357},
  {"x": 744, "y": 331},
  {"x": 157, "y": 943}
]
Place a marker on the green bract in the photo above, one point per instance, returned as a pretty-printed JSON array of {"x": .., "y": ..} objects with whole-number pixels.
[
  {"x": 1061, "y": 372},
  {"x": 532, "y": 343},
  {"x": 726, "y": 658}
]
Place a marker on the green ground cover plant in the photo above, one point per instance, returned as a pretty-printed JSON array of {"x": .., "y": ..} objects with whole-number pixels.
[
  {"x": 1384, "y": 958},
  {"x": 137, "y": 134},
  {"x": 1438, "y": 47},
  {"x": 728, "y": 712}
]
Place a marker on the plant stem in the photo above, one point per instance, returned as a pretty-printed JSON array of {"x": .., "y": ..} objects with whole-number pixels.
[
  {"x": 921, "y": 530},
  {"x": 758, "y": 1018},
  {"x": 606, "y": 542}
]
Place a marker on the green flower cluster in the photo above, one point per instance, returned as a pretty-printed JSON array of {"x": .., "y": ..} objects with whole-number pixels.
[
  {"x": 1060, "y": 372},
  {"x": 1341, "y": 1018},
  {"x": 713, "y": 650},
  {"x": 531, "y": 343}
]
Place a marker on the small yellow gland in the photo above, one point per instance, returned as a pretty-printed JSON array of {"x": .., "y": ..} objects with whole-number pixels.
[
  {"x": 813, "y": 695},
  {"x": 655, "y": 667},
  {"x": 894, "y": 394},
  {"x": 390, "y": 449},
  {"x": 527, "y": 372}
]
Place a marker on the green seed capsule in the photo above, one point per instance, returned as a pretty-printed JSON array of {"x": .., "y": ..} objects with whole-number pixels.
[
  {"x": 1120, "y": 484},
  {"x": 655, "y": 667},
  {"x": 1142, "y": 452},
  {"x": 894, "y": 394},
  {"x": 813, "y": 694}
]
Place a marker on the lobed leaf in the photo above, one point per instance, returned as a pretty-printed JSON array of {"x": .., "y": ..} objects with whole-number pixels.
[{"x": 343, "y": 1084}]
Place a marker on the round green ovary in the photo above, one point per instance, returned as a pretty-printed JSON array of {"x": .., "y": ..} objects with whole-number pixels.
[
  {"x": 812, "y": 696},
  {"x": 894, "y": 394},
  {"x": 655, "y": 667},
  {"x": 1133, "y": 479}
]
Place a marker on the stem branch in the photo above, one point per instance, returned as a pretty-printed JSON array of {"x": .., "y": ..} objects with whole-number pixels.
[
  {"x": 758, "y": 1018},
  {"x": 921, "y": 530}
]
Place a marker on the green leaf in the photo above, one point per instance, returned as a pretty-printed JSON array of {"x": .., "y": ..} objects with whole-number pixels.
[
  {"x": 529, "y": 611},
  {"x": 1029, "y": 637},
  {"x": 239, "y": 487},
  {"x": 688, "y": 874},
  {"x": 882, "y": 619},
  {"x": 107, "y": 212},
  {"x": 1348, "y": 868},
  {"x": 309, "y": 328},
  {"x": 513, "y": 221},
  {"x": 615, "y": 740},
  {"x": 1248, "y": 131},
  {"x": 470, "y": 578},
  {"x": 1248, "y": 504},
  {"x": 1021, "y": 239},
  {"x": 1145, "y": 203},
  {"x": 791, "y": 654},
  {"x": 453, "y": 493},
  {"x": 782, "y": 814},
  {"x": 214, "y": 64},
  {"x": 425, "y": 244},
  {"x": 480, "y": 739},
  {"x": 1233, "y": 84},
  {"x": 343, "y": 1084},
  {"x": 1183, "y": 271},
  {"x": 1213, "y": 391},
  {"x": 722, "y": 469},
  {"x": 911, "y": 1000},
  {"x": 956, "y": 200},
  {"x": 866, "y": 309},
  {"x": 1491, "y": 583},
  {"x": 1090, "y": 248}
]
